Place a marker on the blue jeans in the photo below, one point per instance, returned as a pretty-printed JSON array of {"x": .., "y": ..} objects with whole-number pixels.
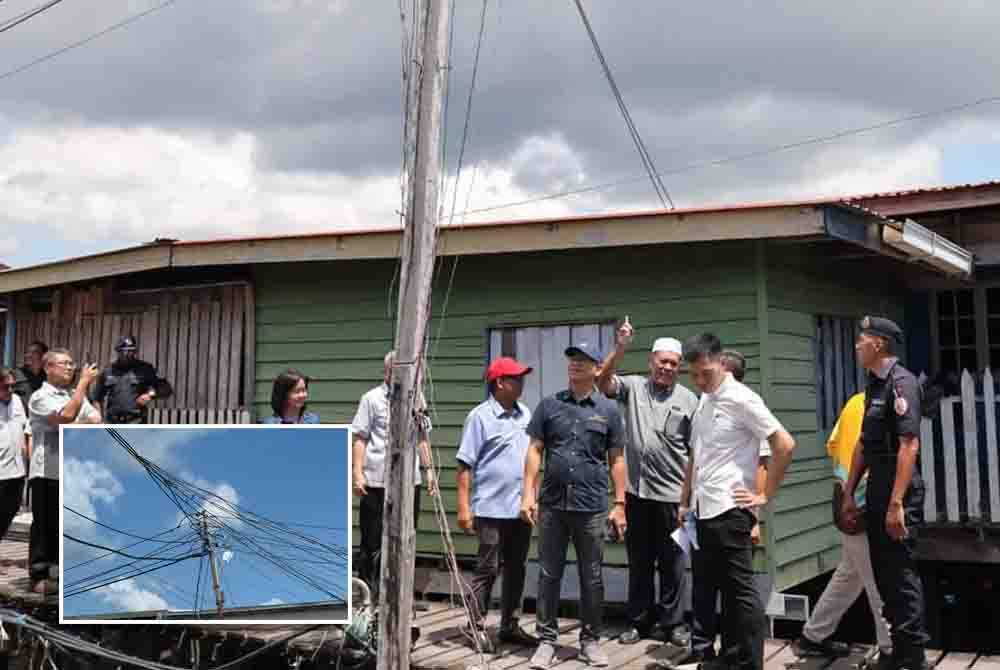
[{"x": 555, "y": 530}]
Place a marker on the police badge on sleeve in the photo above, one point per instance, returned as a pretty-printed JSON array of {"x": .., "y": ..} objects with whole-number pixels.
[{"x": 900, "y": 404}]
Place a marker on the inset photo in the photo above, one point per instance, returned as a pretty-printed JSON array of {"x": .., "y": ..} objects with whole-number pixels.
[{"x": 200, "y": 523}]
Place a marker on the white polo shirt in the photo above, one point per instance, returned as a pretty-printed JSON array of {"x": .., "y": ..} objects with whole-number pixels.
[
  {"x": 371, "y": 423},
  {"x": 45, "y": 437},
  {"x": 727, "y": 430},
  {"x": 13, "y": 423}
]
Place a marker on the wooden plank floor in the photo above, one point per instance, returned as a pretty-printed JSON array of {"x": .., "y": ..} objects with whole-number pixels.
[
  {"x": 442, "y": 646},
  {"x": 15, "y": 587}
]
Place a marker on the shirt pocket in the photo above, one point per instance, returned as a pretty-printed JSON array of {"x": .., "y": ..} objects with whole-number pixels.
[{"x": 597, "y": 436}]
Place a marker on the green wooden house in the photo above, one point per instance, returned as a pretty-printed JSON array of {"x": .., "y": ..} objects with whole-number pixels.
[{"x": 783, "y": 283}]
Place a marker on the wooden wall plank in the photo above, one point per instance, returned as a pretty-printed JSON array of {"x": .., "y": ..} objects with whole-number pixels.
[
  {"x": 193, "y": 360},
  {"x": 181, "y": 361},
  {"x": 234, "y": 342},
  {"x": 250, "y": 345},
  {"x": 224, "y": 337},
  {"x": 149, "y": 343},
  {"x": 212, "y": 369},
  {"x": 203, "y": 377}
]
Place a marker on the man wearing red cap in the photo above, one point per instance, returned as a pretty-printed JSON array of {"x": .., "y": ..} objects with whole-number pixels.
[{"x": 491, "y": 467}]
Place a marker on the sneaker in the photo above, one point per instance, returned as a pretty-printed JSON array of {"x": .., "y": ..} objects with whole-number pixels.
[
  {"x": 827, "y": 647},
  {"x": 543, "y": 656},
  {"x": 478, "y": 636},
  {"x": 631, "y": 636},
  {"x": 592, "y": 654},
  {"x": 514, "y": 634}
]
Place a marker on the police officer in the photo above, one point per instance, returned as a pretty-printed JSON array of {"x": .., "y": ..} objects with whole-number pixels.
[
  {"x": 124, "y": 390},
  {"x": 888, "y": 451}
]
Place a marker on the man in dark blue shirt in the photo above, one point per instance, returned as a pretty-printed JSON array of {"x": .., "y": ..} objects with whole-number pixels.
[{"x": 580, "y": 432}]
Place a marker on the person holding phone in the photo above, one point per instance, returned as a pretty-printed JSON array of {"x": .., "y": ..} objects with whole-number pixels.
[{"x": 57, "y": 402}]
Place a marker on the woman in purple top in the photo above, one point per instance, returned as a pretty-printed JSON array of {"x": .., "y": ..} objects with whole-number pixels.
[{"x": 288, "y": 399}]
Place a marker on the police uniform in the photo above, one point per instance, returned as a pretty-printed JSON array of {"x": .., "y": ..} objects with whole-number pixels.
[
  {"x": 892, "y": 410},
  {"x": 118, "y": 386}
]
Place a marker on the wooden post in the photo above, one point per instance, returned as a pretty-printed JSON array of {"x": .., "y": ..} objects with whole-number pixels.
[
  {"x": 423, "y": 168},
  {"x": 220, "y": 597}
]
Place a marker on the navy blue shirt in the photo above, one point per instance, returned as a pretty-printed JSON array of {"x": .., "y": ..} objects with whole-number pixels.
[{"x": 577, "y": 438}]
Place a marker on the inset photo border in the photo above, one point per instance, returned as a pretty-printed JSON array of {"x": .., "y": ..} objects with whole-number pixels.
[{"x": 202, "y": 524}]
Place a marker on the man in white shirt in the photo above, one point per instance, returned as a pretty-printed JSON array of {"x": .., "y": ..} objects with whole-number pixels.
[
  {"x": 13, "y": 424},
  {"x": 370, "y": 430},
  {"x": 727, "y": 429},
  {"x": 54, "y": 404}
]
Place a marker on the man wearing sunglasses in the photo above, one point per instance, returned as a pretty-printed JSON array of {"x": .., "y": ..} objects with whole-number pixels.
[{"x": 57, "y": 402}]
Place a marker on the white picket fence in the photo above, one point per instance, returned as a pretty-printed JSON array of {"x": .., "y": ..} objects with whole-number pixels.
[{"x": 975, "y": 436}]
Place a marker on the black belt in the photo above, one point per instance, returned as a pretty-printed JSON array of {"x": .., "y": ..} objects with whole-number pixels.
[{"x": 122, "y": 417}]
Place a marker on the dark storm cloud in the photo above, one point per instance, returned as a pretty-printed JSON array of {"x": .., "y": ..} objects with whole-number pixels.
[{"x": 318, "y": 82}]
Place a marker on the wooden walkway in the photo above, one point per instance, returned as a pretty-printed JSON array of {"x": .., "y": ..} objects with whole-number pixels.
[
  {"x": 15, "y": 587},
  {"x": 443, "y": 647}
]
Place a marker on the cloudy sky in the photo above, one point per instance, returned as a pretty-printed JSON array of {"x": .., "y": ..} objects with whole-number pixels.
[
  {"x": 285, "y": 476},
  {"x": 264, "y": 116}
]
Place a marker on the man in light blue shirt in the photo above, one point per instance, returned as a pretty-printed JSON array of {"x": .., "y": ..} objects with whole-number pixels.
[{"x": 491, "y": 467}]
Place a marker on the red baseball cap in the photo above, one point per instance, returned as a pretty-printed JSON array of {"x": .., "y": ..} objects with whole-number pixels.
[{"x": 505, "y": 366}]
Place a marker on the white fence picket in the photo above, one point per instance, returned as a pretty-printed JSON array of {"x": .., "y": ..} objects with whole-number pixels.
[
  {"x": 927, "y": 469},
  {"x": 950, "y": 464},
  {"x": 992, "y": 458},
  {"x": 973, "y": 508}
]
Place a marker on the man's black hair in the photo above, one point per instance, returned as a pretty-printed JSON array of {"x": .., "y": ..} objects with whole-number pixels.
[{"x": 697, "y": 346}]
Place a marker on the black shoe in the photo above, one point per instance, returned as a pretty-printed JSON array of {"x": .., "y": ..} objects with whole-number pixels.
[
  {"x": 631, "y": 636},
  {"x": 517, "y": 635},
  {"x": 680, "y": 636},
  {"x": 827, "y": 647}
]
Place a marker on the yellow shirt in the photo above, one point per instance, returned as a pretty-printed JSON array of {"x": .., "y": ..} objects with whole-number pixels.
[{"x": 844, "y": 438}]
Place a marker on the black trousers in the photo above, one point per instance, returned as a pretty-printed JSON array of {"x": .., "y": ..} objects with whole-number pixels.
[
  {"x": 650, "y": 551},
  {"x": 895, "y": 566},
  {"x": 724, "y": 563},
  {"x": 370, "y": 513},
  {"x": 503, "y": 546},
  {"x": 11, "y": 491},
  {"x": 43, "y": 548}
]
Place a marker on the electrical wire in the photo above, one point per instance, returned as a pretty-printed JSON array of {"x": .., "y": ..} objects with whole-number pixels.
[
  {"x": 27, "y": 16},
  {"x": 86, "y": 40},
  {"x": 759, "y": 153},
  {"x": 644, "y": 155}
]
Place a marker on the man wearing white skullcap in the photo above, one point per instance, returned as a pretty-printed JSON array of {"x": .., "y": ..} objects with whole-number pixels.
[{"x": 658, "y": 414}]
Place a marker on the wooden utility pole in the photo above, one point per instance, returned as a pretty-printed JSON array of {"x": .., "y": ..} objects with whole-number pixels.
[
  {"x": 424, "y": 109},
  {"x": 206, "y": 537}
]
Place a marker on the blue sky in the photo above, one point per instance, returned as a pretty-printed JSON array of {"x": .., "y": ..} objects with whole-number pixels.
[{"x": 291, "y": 476}]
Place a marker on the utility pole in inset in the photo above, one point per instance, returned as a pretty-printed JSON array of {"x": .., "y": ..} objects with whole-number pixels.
[
  {"x": 206, "y": 538},
  {"x": 424, "y": 109}
]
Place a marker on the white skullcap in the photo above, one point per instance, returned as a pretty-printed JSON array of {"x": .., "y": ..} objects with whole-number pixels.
[{"x": 667, "y": 344}]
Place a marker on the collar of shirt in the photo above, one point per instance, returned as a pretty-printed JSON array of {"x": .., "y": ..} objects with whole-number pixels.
[
  {"x": 659, "y": 391},
  {"x": 887, "y": 364},
  {"x": 567, "y": 396},
  {"x": 727, "y": 381},
  {"x": 52, "y": 388},
  {"x": 499, "y": 410}
]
